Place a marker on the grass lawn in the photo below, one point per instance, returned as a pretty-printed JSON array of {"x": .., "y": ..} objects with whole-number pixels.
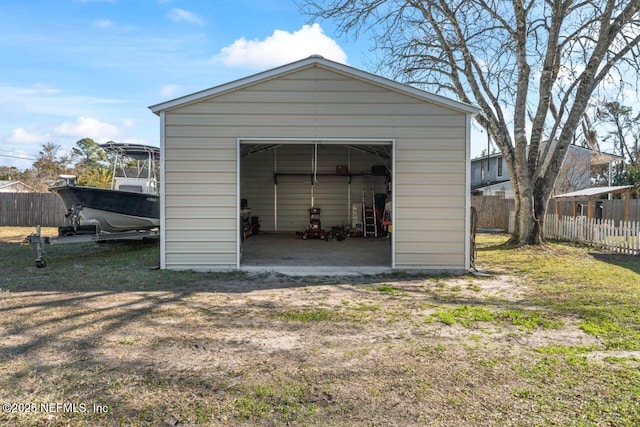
[{"x": 101, "y": 337}]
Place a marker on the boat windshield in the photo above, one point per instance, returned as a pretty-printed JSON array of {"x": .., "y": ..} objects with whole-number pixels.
[{"x": 135, "y": 167}]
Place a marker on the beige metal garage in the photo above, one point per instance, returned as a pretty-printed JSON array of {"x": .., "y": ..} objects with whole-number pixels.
[{"x": 277, "y": 139}]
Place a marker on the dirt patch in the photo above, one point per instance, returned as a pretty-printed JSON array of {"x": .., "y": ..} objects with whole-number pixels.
[
  {"x": 272, "y": 350},
  {"x": 17, "y": 234}
]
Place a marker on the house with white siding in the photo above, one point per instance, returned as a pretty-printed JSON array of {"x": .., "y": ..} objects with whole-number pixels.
[{"x": 314, "y": 133}]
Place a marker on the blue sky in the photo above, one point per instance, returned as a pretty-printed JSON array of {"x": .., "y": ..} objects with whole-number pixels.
[{"x": 90, "y": 68}]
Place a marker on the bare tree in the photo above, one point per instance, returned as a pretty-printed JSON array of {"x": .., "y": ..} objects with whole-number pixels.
[{"x": 530, "y": 65}]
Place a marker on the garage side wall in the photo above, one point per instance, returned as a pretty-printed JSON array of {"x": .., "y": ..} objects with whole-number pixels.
[{"x": 201, "y": 214}]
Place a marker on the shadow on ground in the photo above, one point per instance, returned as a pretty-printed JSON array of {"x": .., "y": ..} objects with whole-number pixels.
[
  {"x": 134, "y": 267},
  {"x": 626, "y": 261}
]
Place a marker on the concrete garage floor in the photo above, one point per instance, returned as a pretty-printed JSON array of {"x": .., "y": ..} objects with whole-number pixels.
[{"x": 289, "y": 254}]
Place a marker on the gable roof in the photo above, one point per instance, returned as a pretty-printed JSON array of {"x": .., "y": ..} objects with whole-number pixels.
[
  {"x": 17, "y": 184},
  {"x": 315, "y": 61}
]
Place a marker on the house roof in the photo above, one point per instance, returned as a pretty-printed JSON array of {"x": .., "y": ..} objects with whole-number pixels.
[
  {"x": 491, "y": 156},
  {"x": 320, "y": 62},
  {"x": 602, "y": 158},
  {"x": 496, "y": 184},
  {"x": 592, "y": 192},
  {"x": 5, "y": 184},
  {"x": 597, "y": 158}
]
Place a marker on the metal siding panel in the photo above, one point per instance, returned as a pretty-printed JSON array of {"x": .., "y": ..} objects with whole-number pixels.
[
  {"x": 414, "y": 187},
  {"x": 200, "y": 165},
  {"x": 294, "y": 201},
  {"x": 278, "y": 117},
  {"x": 201, "y": 225},
  {"x": 257, "y": 186},
  {"x": 331, "y": 192},
  {"x": 442, "y": 247},
  {"x": 430, "y": 203},
  {"x": 201, "y": 189},
  {"x": 430, "y": 155},
  {"x": 199, "y": 212},
  {"x": 440, "y": 234},
  {"x": 331, "y": 196},
  {"x": 294, "y": 109},
  {"x": 319, "y": 131},
  {"x": 310, "y": 96},
  {"x": 189, "y": 177},
  {"x": 180, "y": 236},
  {"x": 200, "y": 154},
  {"x": 430, "y": 261},
  {"x": 205, "y": 223},
  {"x": 183, "y": 200}
]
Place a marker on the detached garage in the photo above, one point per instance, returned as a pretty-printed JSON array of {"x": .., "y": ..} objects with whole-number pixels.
[{"x": 381, "y": 168}]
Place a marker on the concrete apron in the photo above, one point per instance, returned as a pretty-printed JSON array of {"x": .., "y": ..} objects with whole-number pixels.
[{"x": 288, "y": 254}]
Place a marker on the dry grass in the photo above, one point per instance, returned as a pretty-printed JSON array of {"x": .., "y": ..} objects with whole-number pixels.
[{"x": 99, "y": 329}]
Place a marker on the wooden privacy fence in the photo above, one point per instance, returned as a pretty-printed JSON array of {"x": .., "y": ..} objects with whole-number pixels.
[
  {"x": 607, "y": 209},
  {"x": 493, "y": 211},
  {"x": 31, "y": 209},
  {"x": 625, "y": 238}
]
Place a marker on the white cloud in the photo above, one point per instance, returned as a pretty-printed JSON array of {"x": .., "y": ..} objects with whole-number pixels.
[
  {"x": 134, "y": 140},
  {"x": 87, "y": 127},
  {"x": 45, "y": 89},
  {"x": 280, "y": 48},
  {"x": 103, "y": 24},
  {"x": 181, "y": 15},
  {"x": 23, "y": 136},
  {"x": 128, "y": 123},
  {"x": 44, "y": 99},
  {"x": 169, "y": 90}
]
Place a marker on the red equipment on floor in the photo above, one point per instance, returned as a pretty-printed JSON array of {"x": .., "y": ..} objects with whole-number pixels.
[{"x": 315, "y": 230}]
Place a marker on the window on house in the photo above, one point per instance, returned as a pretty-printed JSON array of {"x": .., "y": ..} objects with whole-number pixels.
[{"x": 499, "y": 169}]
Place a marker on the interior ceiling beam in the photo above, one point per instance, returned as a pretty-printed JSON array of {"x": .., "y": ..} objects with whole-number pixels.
[{"x": 382, "y": 151}]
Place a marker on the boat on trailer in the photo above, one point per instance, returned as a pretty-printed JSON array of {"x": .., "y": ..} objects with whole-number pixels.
[
  {"x": 131, "y": 204},
  {"x": 129, "y": 210}
]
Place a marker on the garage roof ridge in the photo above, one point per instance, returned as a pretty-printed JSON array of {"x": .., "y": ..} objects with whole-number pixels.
[{"x": 318, "y": 61}]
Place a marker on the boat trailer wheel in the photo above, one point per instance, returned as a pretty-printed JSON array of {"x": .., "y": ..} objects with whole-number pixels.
[{"x": 41, "y": 263}]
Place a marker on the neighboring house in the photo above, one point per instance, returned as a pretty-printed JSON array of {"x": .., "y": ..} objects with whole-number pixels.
[
  {"x": 490, "y": 175},
  {"x": 15, "y": 187},
  {"x": 279, "y": 139}
]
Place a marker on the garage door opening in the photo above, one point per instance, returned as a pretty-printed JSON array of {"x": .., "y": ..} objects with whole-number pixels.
[{"x": 316, "y": 204}]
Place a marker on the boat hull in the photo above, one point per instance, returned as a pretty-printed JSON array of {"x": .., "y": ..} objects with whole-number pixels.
[{"x": 114, "y": 210}]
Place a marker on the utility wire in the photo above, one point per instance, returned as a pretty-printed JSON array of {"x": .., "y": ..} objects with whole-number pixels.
[{"x": 16, "y": 157}]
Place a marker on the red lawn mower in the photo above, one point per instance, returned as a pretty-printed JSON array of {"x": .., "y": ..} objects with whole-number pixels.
[{"x": 315, "y": 230}]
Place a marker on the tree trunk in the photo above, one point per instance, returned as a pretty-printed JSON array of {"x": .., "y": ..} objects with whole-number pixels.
[
  {"x": 526, "y": 231},
  {"x": 529, "y": 228},
  {"x": 531, "y": 214}
]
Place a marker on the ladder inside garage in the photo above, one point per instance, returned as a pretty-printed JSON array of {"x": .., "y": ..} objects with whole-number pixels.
[{"x": 369, "y": 220}]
